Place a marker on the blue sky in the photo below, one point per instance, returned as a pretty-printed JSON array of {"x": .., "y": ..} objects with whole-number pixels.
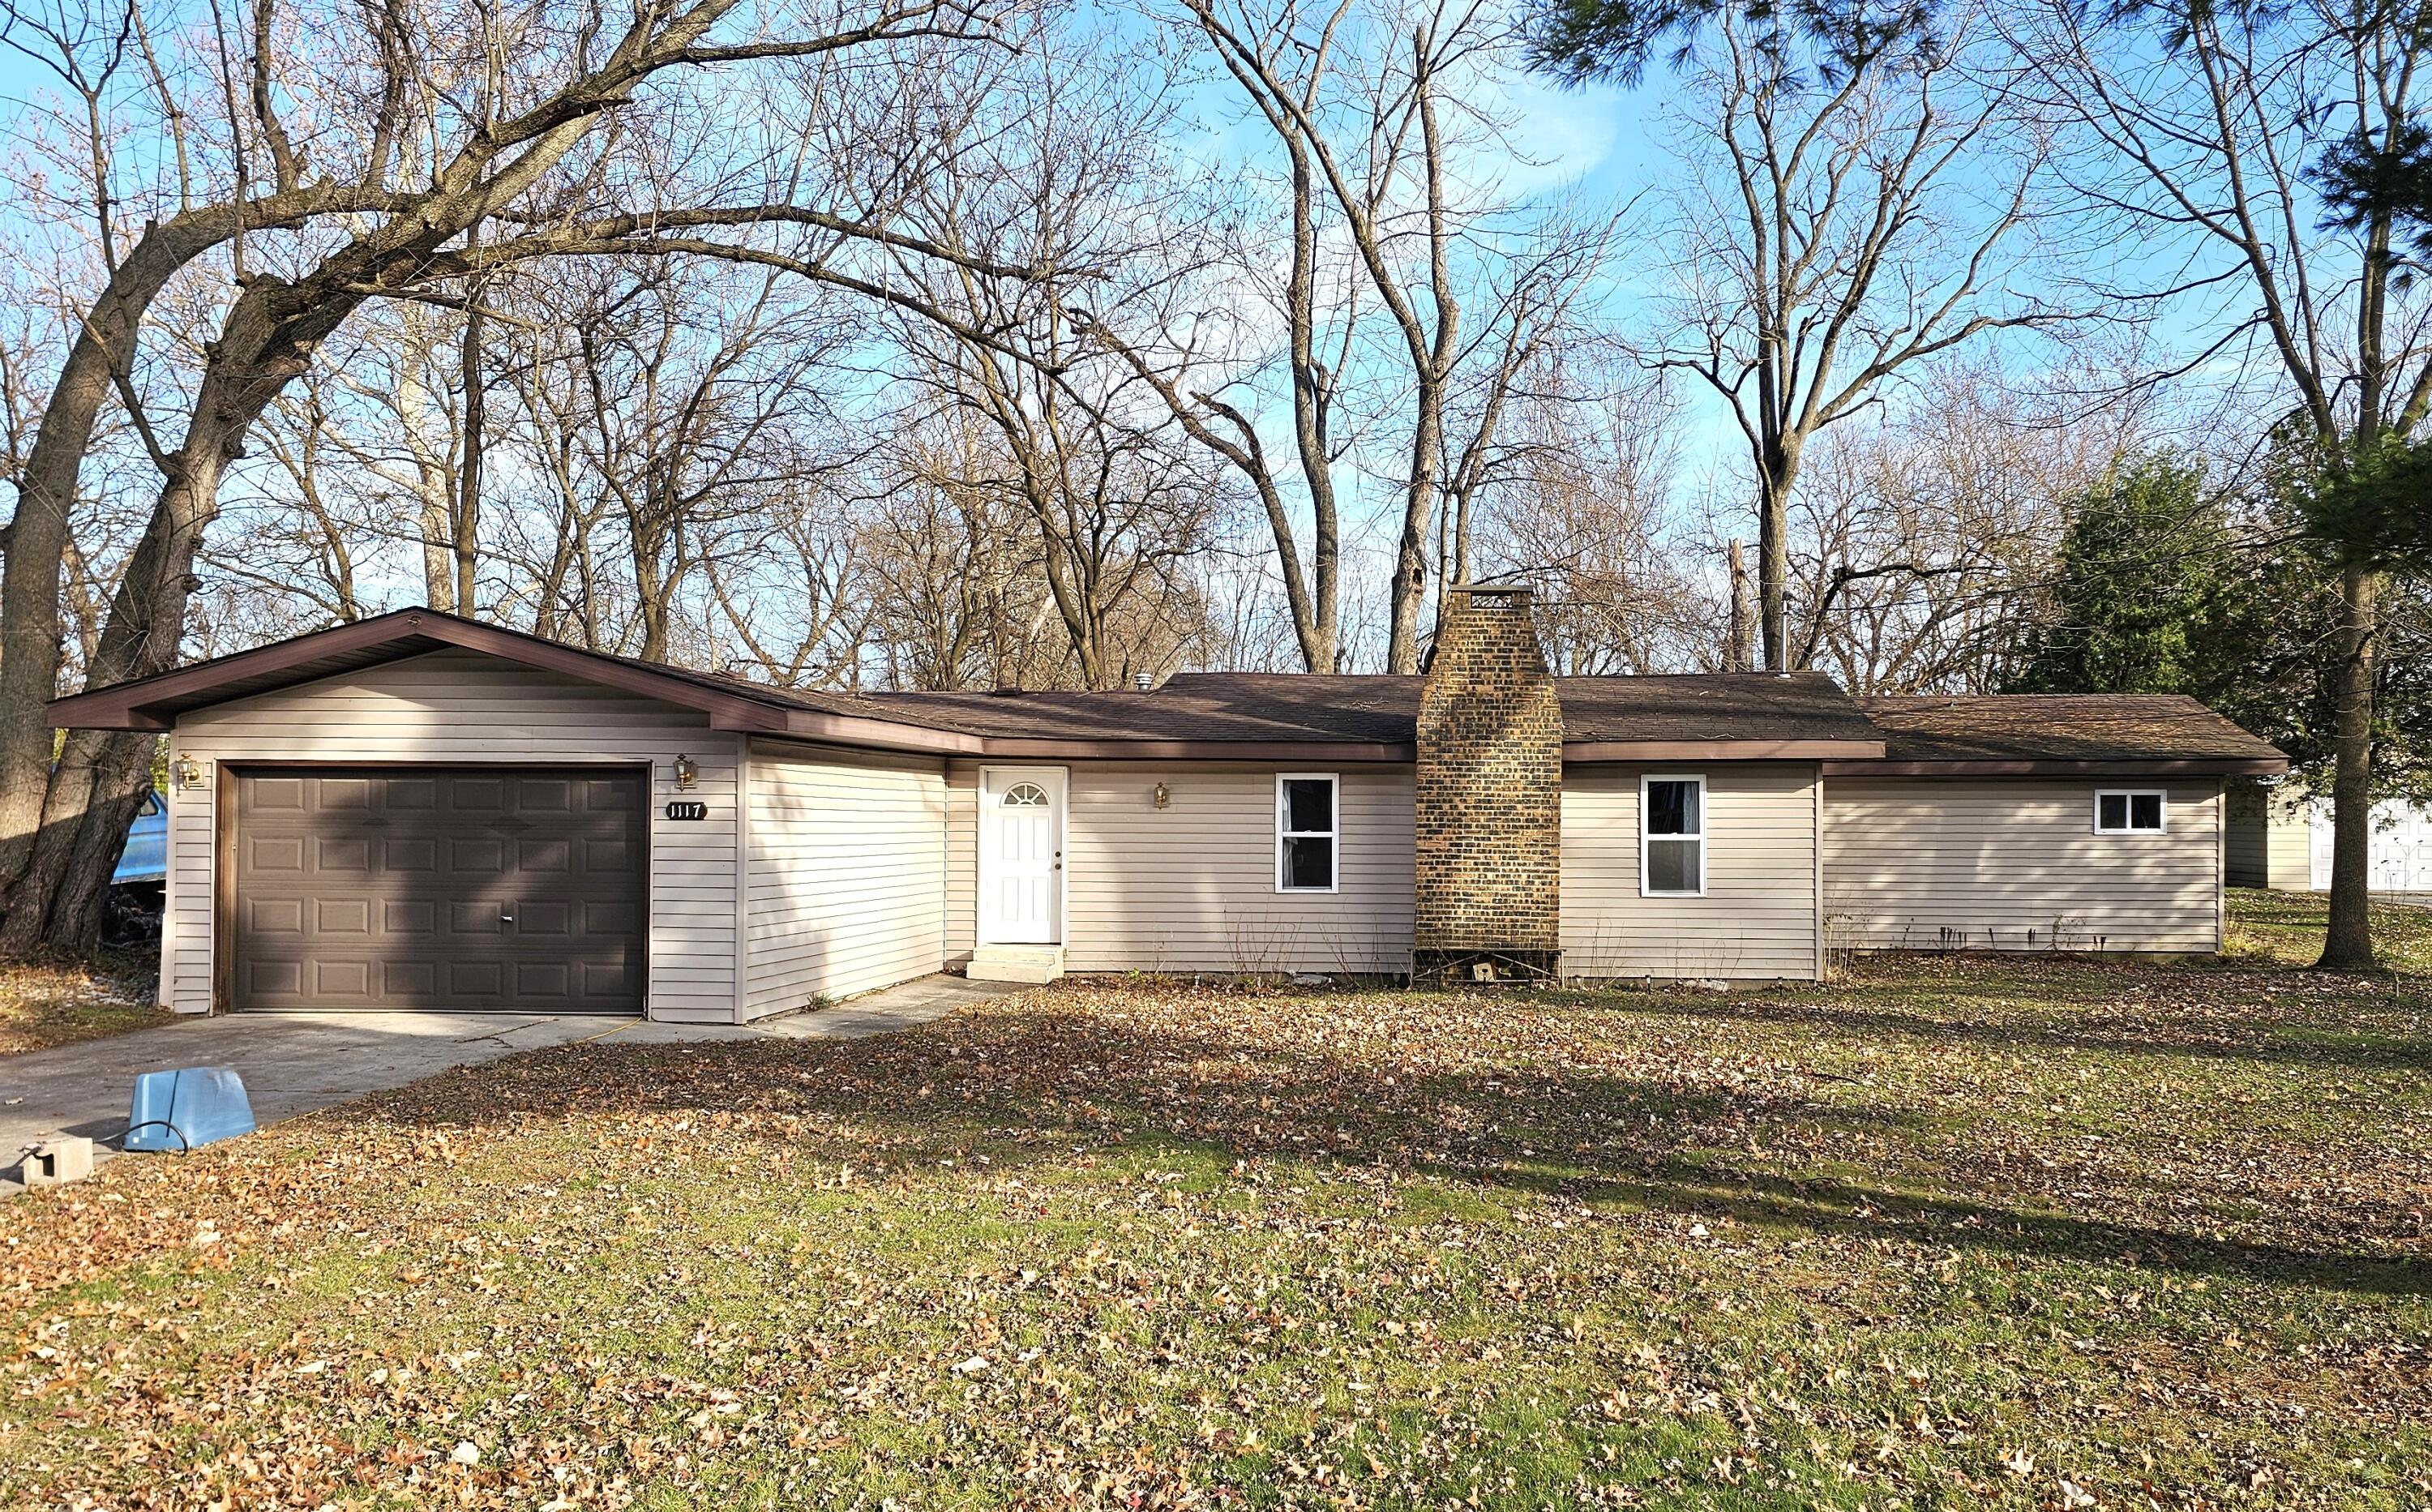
[{"x": 1600, "y": 145}]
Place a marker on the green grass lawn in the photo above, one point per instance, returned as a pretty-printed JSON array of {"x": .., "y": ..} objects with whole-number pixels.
[
  {"x": 1948, "y": 1233},
  {"x": 2287, "y": 927}
]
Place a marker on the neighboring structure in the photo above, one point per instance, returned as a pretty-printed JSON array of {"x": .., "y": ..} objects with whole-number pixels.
[
  {"x": 418, "y": 811},
  {"x": 2280, "y": 837}
]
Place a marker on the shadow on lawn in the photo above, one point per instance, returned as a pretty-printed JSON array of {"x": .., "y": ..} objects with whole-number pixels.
[
  {"x": 1029, "y": 1086},
  {"x": 2099, "y": 1028}
]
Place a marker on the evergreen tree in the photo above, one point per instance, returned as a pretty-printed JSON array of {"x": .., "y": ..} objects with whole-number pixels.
[
  {"x": 2170, "y": 586},
  {"x": 2149, "y": 578}
]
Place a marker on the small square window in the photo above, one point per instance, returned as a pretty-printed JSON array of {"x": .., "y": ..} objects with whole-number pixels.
[
  {"x": 2128, "y": 812},
  {"x": 1672, "y": 852},
  {"x": 1305, "y": 832}
]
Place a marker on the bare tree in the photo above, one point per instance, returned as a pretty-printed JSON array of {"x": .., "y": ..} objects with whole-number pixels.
[
  {"x": 1410, "y": 290},
  {"x": 1075, "y": 437},
  {"x": 1924, "y": 538},
  {"x": 669, "y": 406},
  {"x": 1582, "y": 507},
  {"x": 960, "y": 598},
  {"x": 1834, "y": 230},
  {"x": 2193, "y": 131},
  {"x": 502, "y": 145}
]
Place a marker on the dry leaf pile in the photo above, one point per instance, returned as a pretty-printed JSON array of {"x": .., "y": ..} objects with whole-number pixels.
[{"x": 43, "y": 1004}]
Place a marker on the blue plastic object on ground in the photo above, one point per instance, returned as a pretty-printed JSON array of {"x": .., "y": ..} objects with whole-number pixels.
[{"x": 185, "y": 1110}]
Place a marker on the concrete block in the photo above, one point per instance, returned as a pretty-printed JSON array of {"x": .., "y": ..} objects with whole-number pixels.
[{"x": 57, "y": 1160}]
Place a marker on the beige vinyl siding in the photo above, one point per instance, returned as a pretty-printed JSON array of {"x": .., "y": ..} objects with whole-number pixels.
[
  {"x": 846, "y": 880},
  {"x": 1758, "y": 916},
  {"x": 2268, "y": 839},
  {"x": 962, "y": 861},
  {"x": 2289, "y": 850},
  {"x": 1921, "y": 863},
  {"x": 459, "y": 707},
  {"x": 1192, "y": 886}
]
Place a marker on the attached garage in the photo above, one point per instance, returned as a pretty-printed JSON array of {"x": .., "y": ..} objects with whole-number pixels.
[
  {"x": 508, "y": 888},
  {"x": 419, "y": 812}
]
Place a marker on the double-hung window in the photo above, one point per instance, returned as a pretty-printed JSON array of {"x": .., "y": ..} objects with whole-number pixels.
[
  {"x": 1305, "y": 832},
  {"x": 2128, "y": 812},
  {"x": 1672, "y": 845}
]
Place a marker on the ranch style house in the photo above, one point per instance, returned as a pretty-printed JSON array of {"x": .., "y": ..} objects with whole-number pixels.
[{"x": 417, "y": 811}]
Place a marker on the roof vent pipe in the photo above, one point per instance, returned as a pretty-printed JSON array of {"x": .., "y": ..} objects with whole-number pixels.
[{"x": 1145, "y": 682}]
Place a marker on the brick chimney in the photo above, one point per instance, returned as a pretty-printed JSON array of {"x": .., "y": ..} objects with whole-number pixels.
[{"x": 1489, "y": 797}]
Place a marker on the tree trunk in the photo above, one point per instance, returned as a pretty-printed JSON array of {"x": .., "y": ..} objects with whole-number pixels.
[
  {"x": 1410, "y": 570},
  {"x": 1457, "y": 567},
  {"x": 119, "y": 775},
  {"x": 1312, "y": 402},
  {"x": 38, "y": 540},
  {"x": 432, "y": 484},
  {"x": 102, "y": 776},
  {"x": 1773, "y": 562},
  {"x": 464, "y": 538},
  {"x": 2348, "y": 945},
  {"x": 37, "y": 546},
  {"x": 650, "y": 598},
  {"x": 1735, "y": 648}
]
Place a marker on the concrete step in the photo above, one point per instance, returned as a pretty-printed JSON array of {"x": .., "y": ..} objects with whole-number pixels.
[{"x": 1028, "y": 965}]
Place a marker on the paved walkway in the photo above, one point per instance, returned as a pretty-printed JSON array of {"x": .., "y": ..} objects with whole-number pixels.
[{"x": 294, "y": 1063}]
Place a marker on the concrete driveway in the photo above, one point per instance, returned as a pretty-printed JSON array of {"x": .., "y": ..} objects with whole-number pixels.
[{"x": 294, "y": 1063}]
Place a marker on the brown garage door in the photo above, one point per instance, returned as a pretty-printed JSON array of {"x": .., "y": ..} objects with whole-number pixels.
[{"x": 509, "y": 888}]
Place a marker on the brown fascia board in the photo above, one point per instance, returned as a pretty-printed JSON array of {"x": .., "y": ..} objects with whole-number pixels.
[
  {"x": 2123, "y": 767},
  {"x": 151, "y": 703},
  {"x": 133, "y": 706},
  {"x": 1827, "y": 751},
  {"x": 1022, "y": 747},
  {"x": 1394, "y": 752},
  {"x": 848, "y": 729}
]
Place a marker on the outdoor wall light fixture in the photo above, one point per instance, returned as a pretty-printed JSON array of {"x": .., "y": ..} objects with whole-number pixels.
[
  {"x": 687, "y": 771},
  {"x": 1161, "y": 796},
  {"x": 186, "y": 772}
]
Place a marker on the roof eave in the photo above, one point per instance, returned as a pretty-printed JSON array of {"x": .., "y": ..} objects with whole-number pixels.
[
  {"x": 855, "y": 730},
  {"x": 1586, "y": 751},
  {"x": 153, "y": 703},
  {"x": 1028, "y": 748},
  {"x": 2105, "y": 767}
]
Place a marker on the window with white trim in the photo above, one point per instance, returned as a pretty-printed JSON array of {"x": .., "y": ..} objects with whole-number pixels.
[
  {"x": 1672, "y": 843},
  {"x": 2129, "y": 811},
  {"x": 1306, "y": 833}
]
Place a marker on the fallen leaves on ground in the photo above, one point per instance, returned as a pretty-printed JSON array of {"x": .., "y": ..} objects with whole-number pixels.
[
  {"x": 1947, "y": 1234},
  {"x": 42, "y": 1004}
]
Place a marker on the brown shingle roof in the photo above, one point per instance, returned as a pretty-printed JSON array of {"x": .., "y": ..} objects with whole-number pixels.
[
  {"x": 2059, "y": 727},
  {"x": 1749, "y": 707},
  {"x": 1190, "y": 707},
  {"x": 1769, "y": 706},
  {"x": 1206, "y": 714}
]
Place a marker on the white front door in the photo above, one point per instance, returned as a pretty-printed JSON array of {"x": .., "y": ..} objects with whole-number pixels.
[{"x": 1021, "y": 855}]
